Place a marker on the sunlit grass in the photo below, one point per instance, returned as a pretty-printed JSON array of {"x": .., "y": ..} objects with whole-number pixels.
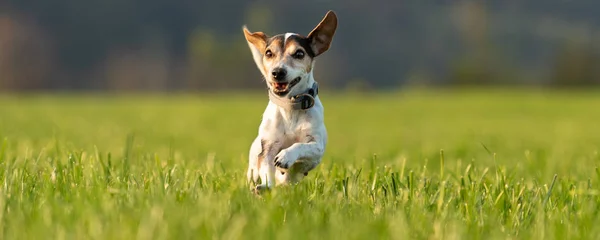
[{"x": 413, "y": 165}]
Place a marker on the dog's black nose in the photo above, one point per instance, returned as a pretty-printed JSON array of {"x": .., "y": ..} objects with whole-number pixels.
[{"x": 279, "y": 73}]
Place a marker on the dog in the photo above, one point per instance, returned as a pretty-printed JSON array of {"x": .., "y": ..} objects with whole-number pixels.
[{"x": 292, "y": 136}]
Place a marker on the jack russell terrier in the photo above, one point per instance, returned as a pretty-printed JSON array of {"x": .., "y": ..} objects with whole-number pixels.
[{"x": 292, "y": 136}]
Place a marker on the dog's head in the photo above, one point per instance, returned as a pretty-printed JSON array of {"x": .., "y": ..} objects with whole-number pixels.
[{"x": 286, "y": 60}]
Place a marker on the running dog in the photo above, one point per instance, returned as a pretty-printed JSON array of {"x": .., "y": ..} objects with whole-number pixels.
[{"x": 292, "y": 136}]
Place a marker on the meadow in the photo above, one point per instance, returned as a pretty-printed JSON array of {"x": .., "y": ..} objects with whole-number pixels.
[{"x": 418, "y": 164}]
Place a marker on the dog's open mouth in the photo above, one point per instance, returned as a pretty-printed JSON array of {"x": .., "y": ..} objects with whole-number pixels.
[{"x": 282, "y": 88}]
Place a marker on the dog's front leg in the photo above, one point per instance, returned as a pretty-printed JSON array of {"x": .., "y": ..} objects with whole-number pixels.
[{"x": 310, "y": 150}]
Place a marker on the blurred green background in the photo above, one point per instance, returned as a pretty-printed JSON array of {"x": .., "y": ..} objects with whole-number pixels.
[
  {"x": 490, "y": 84},
  {"x": 154, "y": 45}
]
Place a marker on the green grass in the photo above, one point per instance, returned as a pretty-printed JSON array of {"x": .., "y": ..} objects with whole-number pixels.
[{"x": 415, "y": 165}]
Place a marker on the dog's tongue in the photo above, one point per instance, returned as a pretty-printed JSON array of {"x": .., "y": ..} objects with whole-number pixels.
[{"x": 280, "y": 85}]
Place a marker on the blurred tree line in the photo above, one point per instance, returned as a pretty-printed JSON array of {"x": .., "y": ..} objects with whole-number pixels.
[{"x": 198, "y": 45}]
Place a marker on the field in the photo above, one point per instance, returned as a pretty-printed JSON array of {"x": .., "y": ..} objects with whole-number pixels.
[{"x": 419, "y": 164}]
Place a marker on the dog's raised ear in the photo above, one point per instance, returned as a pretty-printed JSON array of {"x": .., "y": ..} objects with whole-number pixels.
[
  {"x": 322, "y": 35},
  {"x": 257, "y": 42}
]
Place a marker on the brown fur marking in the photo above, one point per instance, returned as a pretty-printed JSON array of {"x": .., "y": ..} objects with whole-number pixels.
[
  {"x": 295, "y": 43},
  {"x": 258, "y": 39},
  {"x": 266, "y": 148},
  {"x": 322, "y": 35},
  {"x": 261, "y": 155}
]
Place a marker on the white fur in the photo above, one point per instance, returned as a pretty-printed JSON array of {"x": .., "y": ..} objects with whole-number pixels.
[
  {"x": 290, "y": 142},
  {"x": 300, "y": 134},
  {"x": 287, "y": 35}
]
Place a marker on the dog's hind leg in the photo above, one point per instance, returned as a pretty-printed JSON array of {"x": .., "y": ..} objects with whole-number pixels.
[
  {"x": 265, "y": 163},
  {"x": 253, "y": 162}
]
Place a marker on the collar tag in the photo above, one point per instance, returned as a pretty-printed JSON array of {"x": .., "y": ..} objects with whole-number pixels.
[{"x": 306, "y": 101}]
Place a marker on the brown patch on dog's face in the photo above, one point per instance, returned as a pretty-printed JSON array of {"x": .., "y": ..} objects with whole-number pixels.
[
  {"x": 286, "y": 60},
  {"x": 300, "y": 52},
  {"x": 289, "y": 51},
  {"x": 291, "y": 55},
  {"x": 273, "y": 53}
]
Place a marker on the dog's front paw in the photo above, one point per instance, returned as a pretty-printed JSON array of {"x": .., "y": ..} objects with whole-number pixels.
[{"x": 284, "y": 159}]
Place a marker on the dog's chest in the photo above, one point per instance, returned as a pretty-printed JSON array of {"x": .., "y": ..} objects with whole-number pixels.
[{"x": 293, "y": 130}]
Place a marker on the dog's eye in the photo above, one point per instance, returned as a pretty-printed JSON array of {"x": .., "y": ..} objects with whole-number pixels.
[
  {"x": 298, "y": 54},
  {"x": 269, "y": 54}
]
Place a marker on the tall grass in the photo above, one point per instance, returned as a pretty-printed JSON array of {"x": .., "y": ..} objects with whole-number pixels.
[{"x": 412, "y": 165}]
